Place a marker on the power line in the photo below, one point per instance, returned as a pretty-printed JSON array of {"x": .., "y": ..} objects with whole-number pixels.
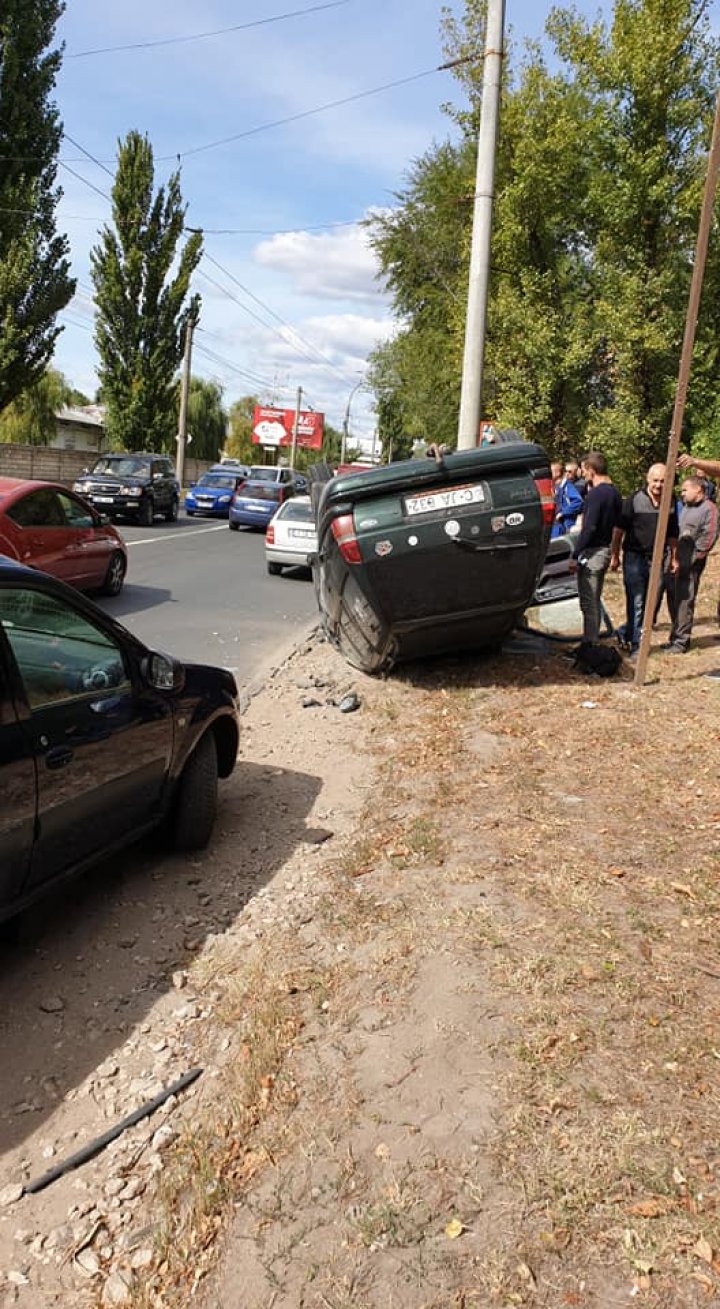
[
  {"x": 278, "y": 231},
  {"x": 80, "y": 178},
  {"x": 88, "y": 155},
  {"x": 234, "y": 368},
  {"x": 200, "y": 36}
]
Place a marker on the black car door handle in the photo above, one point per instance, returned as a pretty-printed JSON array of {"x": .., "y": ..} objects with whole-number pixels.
[{"x": 59, "y": 756}]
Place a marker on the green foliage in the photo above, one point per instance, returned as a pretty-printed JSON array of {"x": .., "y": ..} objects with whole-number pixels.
[
  {"x": 207, "y": 419},
  {"x": 239, "y": 443},
  {"x": 34, "y": 268},
  {"x": 29, "y": 419},
  {"x": 141, "y": 274}
]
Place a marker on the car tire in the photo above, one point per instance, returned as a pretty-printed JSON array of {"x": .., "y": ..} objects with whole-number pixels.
[
  {"x": 171, "y": 514},
  {"x": 190, "y": 513},
  {"x": 274, "y": 569},
  {"x": 115, "y": 575},
  {"x": 146, "y": 513},
  {"x": 234, "y": 527},
  {"x": 195, "y": 802}
]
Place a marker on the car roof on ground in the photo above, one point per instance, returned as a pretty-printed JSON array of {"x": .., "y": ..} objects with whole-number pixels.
[{"x": 11, "y": 567}]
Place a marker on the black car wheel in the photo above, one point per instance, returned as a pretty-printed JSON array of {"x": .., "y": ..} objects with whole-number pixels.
[
  {"x": 146, "y": 512},
  {"x": 171, "y": 514},
  {"x": 274, "y": 569},
  {"x": 115, "y": 575},
  {"x": 234, "y": 527},
  {"x": 195, "y": 801},
  {"x": 191, "y": 513}
]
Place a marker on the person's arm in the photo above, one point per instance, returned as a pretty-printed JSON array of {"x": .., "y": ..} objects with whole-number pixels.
[
  {"x": 590, "y": 520},
  {"x": 618, "y": 537},
  {"x": 706, "y": 535},
  {"x": 709, "y": 466}
]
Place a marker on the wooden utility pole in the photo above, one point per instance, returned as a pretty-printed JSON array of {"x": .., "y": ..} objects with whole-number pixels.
[
  {"x": 293, "y": 447},
  {"x": 190, "y": 324},
  {"x": 701, "y": 248},
  {"x": 473, "y": 358}
]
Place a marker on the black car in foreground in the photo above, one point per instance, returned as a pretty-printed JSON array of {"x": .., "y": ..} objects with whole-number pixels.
[
  {"x": 101, "y": 739},
  {"x": 135, "y": 486},
  {"x": 431, "y": 555}
]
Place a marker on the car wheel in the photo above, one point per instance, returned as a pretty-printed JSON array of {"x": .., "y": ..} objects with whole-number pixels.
[
  {"x": 115, "y": 575},
  {"x": 234, "y": 527},
  {"x": 274, "y": 569},
  {"x": 171, "y": 514},
  {"x": 195, "y": 802},
  {"x": 190, "y": 513},
  {"x": 146, "y": 513}
]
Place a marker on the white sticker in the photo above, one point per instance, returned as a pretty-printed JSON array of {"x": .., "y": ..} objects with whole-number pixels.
[
  {"x": 514, "y": 520},
  {"x": 412, "y": 540},
  {"x": 383, "y": 548},
  {"x": 452, "y": 527}
]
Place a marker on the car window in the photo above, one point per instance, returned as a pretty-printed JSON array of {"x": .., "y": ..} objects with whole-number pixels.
[
  {"x": 38, "y": 509},
  {"x": 76, "y": 514},
  {"x": 60, "y": 654},
  {"x": 225, "y": 482},
  {"x": 260, "y": 474},
  {"x": 129, "y": 466},
  {"x": 296, "y": 511}
]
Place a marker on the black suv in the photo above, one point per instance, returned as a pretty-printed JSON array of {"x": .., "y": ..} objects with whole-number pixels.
[
  {"x": 137, "y": 486},
  {"x": 101, "y": 739}
]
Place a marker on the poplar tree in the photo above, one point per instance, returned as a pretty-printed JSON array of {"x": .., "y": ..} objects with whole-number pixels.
[
  {"x": 35, "y": 282},
  {"x": 141, "y": 272}
]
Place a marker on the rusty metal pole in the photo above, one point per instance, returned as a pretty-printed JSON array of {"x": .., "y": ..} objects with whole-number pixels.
[{"x": 701, "y": 248}]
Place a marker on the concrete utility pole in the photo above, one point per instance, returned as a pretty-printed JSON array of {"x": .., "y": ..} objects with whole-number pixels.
[
  {"x": 346, "y": 421},
  {"x": 190, "y": 324},
  {"x": 701, "y": 248},
  {"x": 293, "y": 447},
  {"x": 473, "y": 359}
]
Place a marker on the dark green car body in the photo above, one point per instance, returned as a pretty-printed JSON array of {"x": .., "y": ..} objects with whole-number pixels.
[{"x": 426, "y": 556}]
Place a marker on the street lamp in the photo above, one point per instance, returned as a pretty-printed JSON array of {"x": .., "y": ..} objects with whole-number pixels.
[{"x": 346, "y": 420}]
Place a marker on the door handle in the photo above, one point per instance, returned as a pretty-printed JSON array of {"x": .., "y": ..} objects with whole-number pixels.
[{"x": 59, "y": 757}]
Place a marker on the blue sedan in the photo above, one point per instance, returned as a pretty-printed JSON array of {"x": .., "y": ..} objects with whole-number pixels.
[{"x": 213, "y": 492}]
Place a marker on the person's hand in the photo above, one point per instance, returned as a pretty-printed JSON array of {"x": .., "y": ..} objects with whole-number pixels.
[
  {"x": 572, "y": 565},
  {"x": 674, "y": 566},
  {"x": 614, "y": 562},
  {"x": 685, "y": 461}
]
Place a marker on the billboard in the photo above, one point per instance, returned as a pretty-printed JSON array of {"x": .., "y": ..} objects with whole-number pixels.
[{"x": 274, "y": 427}]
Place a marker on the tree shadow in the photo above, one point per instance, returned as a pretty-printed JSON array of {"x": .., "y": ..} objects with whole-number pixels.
[
  {"x": 106, "y": 947},
  {"x": 133, "y": 599}
]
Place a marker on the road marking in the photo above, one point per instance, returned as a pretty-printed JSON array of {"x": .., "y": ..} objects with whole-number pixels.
[{"x": 179, "y": 536}]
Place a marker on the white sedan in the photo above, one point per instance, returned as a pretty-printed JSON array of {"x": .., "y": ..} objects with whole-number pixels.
[{"x": 291, "y": 536}]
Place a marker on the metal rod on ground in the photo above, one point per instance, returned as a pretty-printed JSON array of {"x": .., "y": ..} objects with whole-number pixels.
[
  {"x": 701, "y": 248},
  {"x": 473, "y": 358},
  {"x": 94, "y": 1147},
  {"x": 293, "y": 447},
  {"x": 190, "y": 322}
]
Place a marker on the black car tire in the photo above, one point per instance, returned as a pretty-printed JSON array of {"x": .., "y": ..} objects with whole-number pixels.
[
  {"x": 115, "y": 575},
  {"x": 171, "y": 514},
  {"x": 146, "y": 512},
  {"x": 195, "y": 802},
  {"x": 234, "y": 527},
  {"x": 190, "y": 513},
  {"x": 274, "y": 569}
]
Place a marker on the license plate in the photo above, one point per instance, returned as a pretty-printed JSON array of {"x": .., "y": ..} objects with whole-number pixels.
[
  {"x": 298, "y": 531},
  {"x": 454, "y": 497},
  {"x": 103, "y": 499},
  {"x": 204, "y": 500},
  {"x": 257, "y": 509}
]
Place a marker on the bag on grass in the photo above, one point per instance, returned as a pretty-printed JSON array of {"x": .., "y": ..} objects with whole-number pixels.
[{"x": 600, "y": 660}]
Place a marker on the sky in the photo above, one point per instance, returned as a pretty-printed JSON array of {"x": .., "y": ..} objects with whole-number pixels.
[{"x": 290, "y": 289}]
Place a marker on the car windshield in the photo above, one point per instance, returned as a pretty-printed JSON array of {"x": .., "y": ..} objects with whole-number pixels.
[
  {"x": 263, "y": 474},
  {"x": 297, "y": 511},
  {"x": 226, "y": 483},
  {"x": 126, "y": 466}
]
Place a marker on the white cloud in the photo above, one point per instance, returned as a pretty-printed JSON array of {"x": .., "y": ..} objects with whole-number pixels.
[{"x": 335, "y": 265}]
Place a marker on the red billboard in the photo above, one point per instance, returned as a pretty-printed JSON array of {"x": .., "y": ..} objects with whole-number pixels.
[{"x": 274, "y": 427}]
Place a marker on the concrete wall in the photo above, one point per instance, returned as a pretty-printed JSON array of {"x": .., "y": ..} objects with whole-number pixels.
[{"x": 42, "y": 463}]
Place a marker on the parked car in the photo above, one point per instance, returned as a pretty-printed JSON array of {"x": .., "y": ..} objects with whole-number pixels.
[
  {"x": 213, "y": 491},
  {"x": 432, "y": 555},
  {"x": 291, "y": 536},
  {"x": 264, "y": 489},
  {"x": 101, "y": 739},
  {"x": 137, "y": 486},
  {"x": 46, "y": 526}
]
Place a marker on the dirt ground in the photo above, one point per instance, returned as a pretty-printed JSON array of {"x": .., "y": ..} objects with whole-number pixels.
[{"x": 451, "y": 968}]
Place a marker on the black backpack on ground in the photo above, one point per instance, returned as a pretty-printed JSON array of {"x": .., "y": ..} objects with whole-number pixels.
[{"x": 599, "y": 660}]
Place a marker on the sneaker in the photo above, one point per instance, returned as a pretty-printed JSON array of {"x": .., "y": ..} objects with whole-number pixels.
[
  {"x": 675, "y": 649},
  {"x": 714, "y": 675}
]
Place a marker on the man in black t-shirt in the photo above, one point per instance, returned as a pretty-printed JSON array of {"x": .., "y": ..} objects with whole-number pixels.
[
  {"x": 601, "y": 516},
  {"x": 637, "y": 529}
]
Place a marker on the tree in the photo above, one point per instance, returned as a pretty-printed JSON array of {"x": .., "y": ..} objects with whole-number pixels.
[
  {"x": 34, "y": 267},
  {"x": 239, "y": 442},
  {"x": 207, "y": 419},
  {"x": 30, "y": 418},
  {"x": 142, "y": 277}
]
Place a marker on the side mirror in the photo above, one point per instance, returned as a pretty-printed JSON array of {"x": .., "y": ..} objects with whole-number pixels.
[{"x": 164, "y": 673}]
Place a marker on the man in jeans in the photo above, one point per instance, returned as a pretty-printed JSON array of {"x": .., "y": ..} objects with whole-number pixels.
[
  {"x": 591, "y": 557},
  {"x": 638, "y": 527},
  {"x": 698, "y": 534}
]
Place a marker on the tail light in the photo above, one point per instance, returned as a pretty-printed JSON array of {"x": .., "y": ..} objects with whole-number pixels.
[
  {"x": 281, "y": 494},
  {"x": 270, "y": 535},
  {"x": 343, "y": 529},
  {"x": 547, "y": 499}
]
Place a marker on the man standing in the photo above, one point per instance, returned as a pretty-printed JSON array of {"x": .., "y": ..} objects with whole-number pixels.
[
  {"x": 568, "y": 502},
  {"x": 601, "y": 516},
  {"x": 698, "y": 534},
  {"x": 637, "y": 528}
]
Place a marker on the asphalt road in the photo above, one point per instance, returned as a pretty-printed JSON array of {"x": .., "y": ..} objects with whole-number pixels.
[{"x": 197, "y": 590}]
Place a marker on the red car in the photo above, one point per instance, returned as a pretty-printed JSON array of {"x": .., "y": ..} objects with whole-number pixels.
[{"x": 49, "y": 528}]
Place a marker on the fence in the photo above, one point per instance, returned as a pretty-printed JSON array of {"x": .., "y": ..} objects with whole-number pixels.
[{"x": 42, "y": 463}]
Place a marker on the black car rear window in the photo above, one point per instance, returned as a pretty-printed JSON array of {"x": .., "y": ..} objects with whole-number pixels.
[
  {"x": 258, "y": 490},
  {"x": 263, "y": 474}
]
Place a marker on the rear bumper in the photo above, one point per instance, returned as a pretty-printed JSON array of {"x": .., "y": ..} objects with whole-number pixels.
[
  {"x": 289, "y": 558},
  {"x": 252, "y": 517}
]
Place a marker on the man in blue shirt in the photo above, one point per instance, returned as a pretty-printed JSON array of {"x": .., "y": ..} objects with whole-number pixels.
[{"x": 601, "y": 515}]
